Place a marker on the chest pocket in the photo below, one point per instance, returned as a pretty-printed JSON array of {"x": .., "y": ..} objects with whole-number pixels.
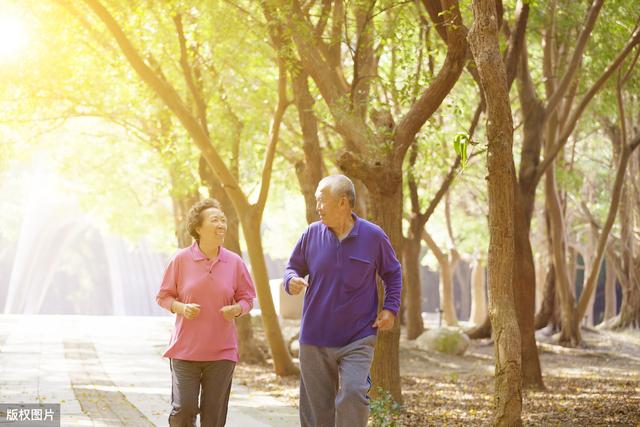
[{"x": 357, "y": 271}]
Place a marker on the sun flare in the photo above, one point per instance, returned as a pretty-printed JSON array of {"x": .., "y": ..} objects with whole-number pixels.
[{"x": 13, "y": 36}]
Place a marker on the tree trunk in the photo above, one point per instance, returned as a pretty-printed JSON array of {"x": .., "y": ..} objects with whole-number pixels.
[
  {"x": 478, "y": 293},
  {"x": 448, "y": 265},
  {"x": 247, "y": 346},
  {"x": 447, "y": 298},
  {"x": 309, "y": 171},
  {"x": 463, "y": 280},
  {"x": 524, "y": 284},
  {"x": 569, "y": 328},
  {"x": 281, "y": 357},
  {"x": 386, "y": 211},
  {"x": 545, "y": 315},
  {"x": 483, "y": 38},
  {"x": 413, "y": 301},
  {"x": 628, "y": 269},
  {"x": 181, "y": 204},
  {"x": 630, "y": 308},
  {"x": 616, "y": 194},
  {"x": 610, "y": 297},
  {"x": 483, "y": 330}
]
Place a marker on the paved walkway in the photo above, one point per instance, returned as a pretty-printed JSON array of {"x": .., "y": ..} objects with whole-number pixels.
[{"x": 107, "y": 371}]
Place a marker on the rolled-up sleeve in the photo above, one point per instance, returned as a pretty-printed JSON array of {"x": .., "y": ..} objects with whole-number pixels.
[
  {"x": 297, "y": 265},
  {"x": 245, "y": 290},
  {"x": 390, "y": 271},
  {"x": 169, "y": 287}
]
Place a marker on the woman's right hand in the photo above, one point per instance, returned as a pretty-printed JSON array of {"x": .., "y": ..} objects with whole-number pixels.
[{"x": 190, "y": 311}]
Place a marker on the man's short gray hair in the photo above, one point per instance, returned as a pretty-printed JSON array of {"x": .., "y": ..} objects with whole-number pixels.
[{"x": 339, "y": 185}]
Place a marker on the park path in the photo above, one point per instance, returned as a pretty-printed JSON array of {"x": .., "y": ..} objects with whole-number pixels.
[{"x": 107, "y": 371}]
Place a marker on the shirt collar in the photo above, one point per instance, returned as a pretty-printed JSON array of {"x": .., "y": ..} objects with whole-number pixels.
[
  {"x": 356, "y": 225},
  {"x": 354, "y": 230},
  {"x": 197, "y": 254}
]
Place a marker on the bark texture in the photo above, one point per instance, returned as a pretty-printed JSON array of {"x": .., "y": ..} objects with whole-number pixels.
[{"x": 483, "y": 38}]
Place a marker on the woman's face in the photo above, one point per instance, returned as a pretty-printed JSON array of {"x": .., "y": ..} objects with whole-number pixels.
[{"x": 213, "y": 227}]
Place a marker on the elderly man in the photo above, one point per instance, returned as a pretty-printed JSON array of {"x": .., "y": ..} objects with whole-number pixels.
[{"x": 341, "y": 254}]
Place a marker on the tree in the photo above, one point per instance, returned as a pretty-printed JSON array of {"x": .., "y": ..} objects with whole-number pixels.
[
  {"x": 483, "y": 38},
  {"x": 250, "y": 214},
  {"x": 571, "y": 315},
  {"x": 375, "y": 150}
]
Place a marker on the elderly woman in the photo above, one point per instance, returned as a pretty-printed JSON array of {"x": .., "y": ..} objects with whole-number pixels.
[{"x": 207, "y": 286}]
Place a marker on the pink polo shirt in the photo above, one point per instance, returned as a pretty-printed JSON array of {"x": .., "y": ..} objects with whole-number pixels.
[{"x": 191, "y": 277}]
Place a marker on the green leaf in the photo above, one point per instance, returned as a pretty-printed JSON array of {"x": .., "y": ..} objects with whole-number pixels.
[{"x": 460, "y": 145}]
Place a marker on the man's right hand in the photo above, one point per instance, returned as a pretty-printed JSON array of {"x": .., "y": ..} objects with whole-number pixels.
[{"x": 296, "y": 285}]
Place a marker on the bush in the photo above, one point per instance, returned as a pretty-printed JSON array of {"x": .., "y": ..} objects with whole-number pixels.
[{"x": 384, "y": 410}]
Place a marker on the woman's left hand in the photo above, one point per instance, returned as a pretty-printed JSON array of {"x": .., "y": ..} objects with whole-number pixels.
[{"x": 229, "y": 312}]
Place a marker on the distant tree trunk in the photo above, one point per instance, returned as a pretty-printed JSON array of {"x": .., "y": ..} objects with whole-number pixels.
[
  {"x": 616, "y": 195},
  {"x": 547, "y": 307},
  {"x": 483, "y": 39},
  {"x": 447, "y": 263},
  {"x": 478, "y": 293},
  {"x": 247, "y": 346},
  {"x": 482, "y": 330},
  {"x": 309, "y": 171},
  {"x": 181, "y": 204},
  {"x": 462, "y": 278},
  {"x": 570, "y": 330},
  {"x": 610, "y": 297},
  {"x": 412, "y": 244},
  {"x": 413, "y": 301},
  {"x": 629, "y": 267},
  {"x": 630, "y": 308},
  {"x": 549, "y": 304}
]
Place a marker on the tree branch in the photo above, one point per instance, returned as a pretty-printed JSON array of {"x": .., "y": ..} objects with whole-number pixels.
[
  {"x": 172, "y": 99},
  {"x": 565, "y": 83},
  {"x": 433, "y": 96},
  {"x": 586, "y": 99},
  {"x": 274, "y": 136},
  {"x": 201, "y": 106}
]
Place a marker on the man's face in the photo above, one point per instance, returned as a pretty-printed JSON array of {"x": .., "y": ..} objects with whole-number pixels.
[{"x": 328, "y": 206}]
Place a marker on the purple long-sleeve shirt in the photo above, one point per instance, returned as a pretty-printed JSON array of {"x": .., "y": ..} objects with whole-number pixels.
[{"x": 340, "y": 304}]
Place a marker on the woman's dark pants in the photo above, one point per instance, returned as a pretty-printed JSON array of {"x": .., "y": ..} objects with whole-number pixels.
[{"x": 211, "y": 381}]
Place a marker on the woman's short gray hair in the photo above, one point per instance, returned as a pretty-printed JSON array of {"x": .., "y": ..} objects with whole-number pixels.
[{"x": 339, "y": 185}]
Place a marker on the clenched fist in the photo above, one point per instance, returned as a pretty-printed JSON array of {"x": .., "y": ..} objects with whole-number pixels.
[
  {"x": 190, "y": 311},
  {"x": 231, "y": 311},
  {"x": 384, "y": 321},
  {"x": 296, "y": 285}
]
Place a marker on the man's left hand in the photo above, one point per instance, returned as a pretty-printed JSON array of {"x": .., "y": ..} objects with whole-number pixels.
[{"x": 384, "y": 321}]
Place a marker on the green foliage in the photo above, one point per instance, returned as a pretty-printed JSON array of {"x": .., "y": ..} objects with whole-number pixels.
[
  {"x": 461, "y": 145},
  {"x": 384, "y": 410},
  {"x": 74, "y": 69}
]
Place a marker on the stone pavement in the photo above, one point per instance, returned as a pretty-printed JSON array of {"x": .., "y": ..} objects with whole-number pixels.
[{"x": 107, "y": 371}]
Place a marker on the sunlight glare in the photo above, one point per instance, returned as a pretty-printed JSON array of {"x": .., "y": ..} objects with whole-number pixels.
[{"x": 13, "y": 36}]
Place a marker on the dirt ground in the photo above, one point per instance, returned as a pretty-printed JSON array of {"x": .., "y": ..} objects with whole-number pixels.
[{"x": 598, "y": 384}]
